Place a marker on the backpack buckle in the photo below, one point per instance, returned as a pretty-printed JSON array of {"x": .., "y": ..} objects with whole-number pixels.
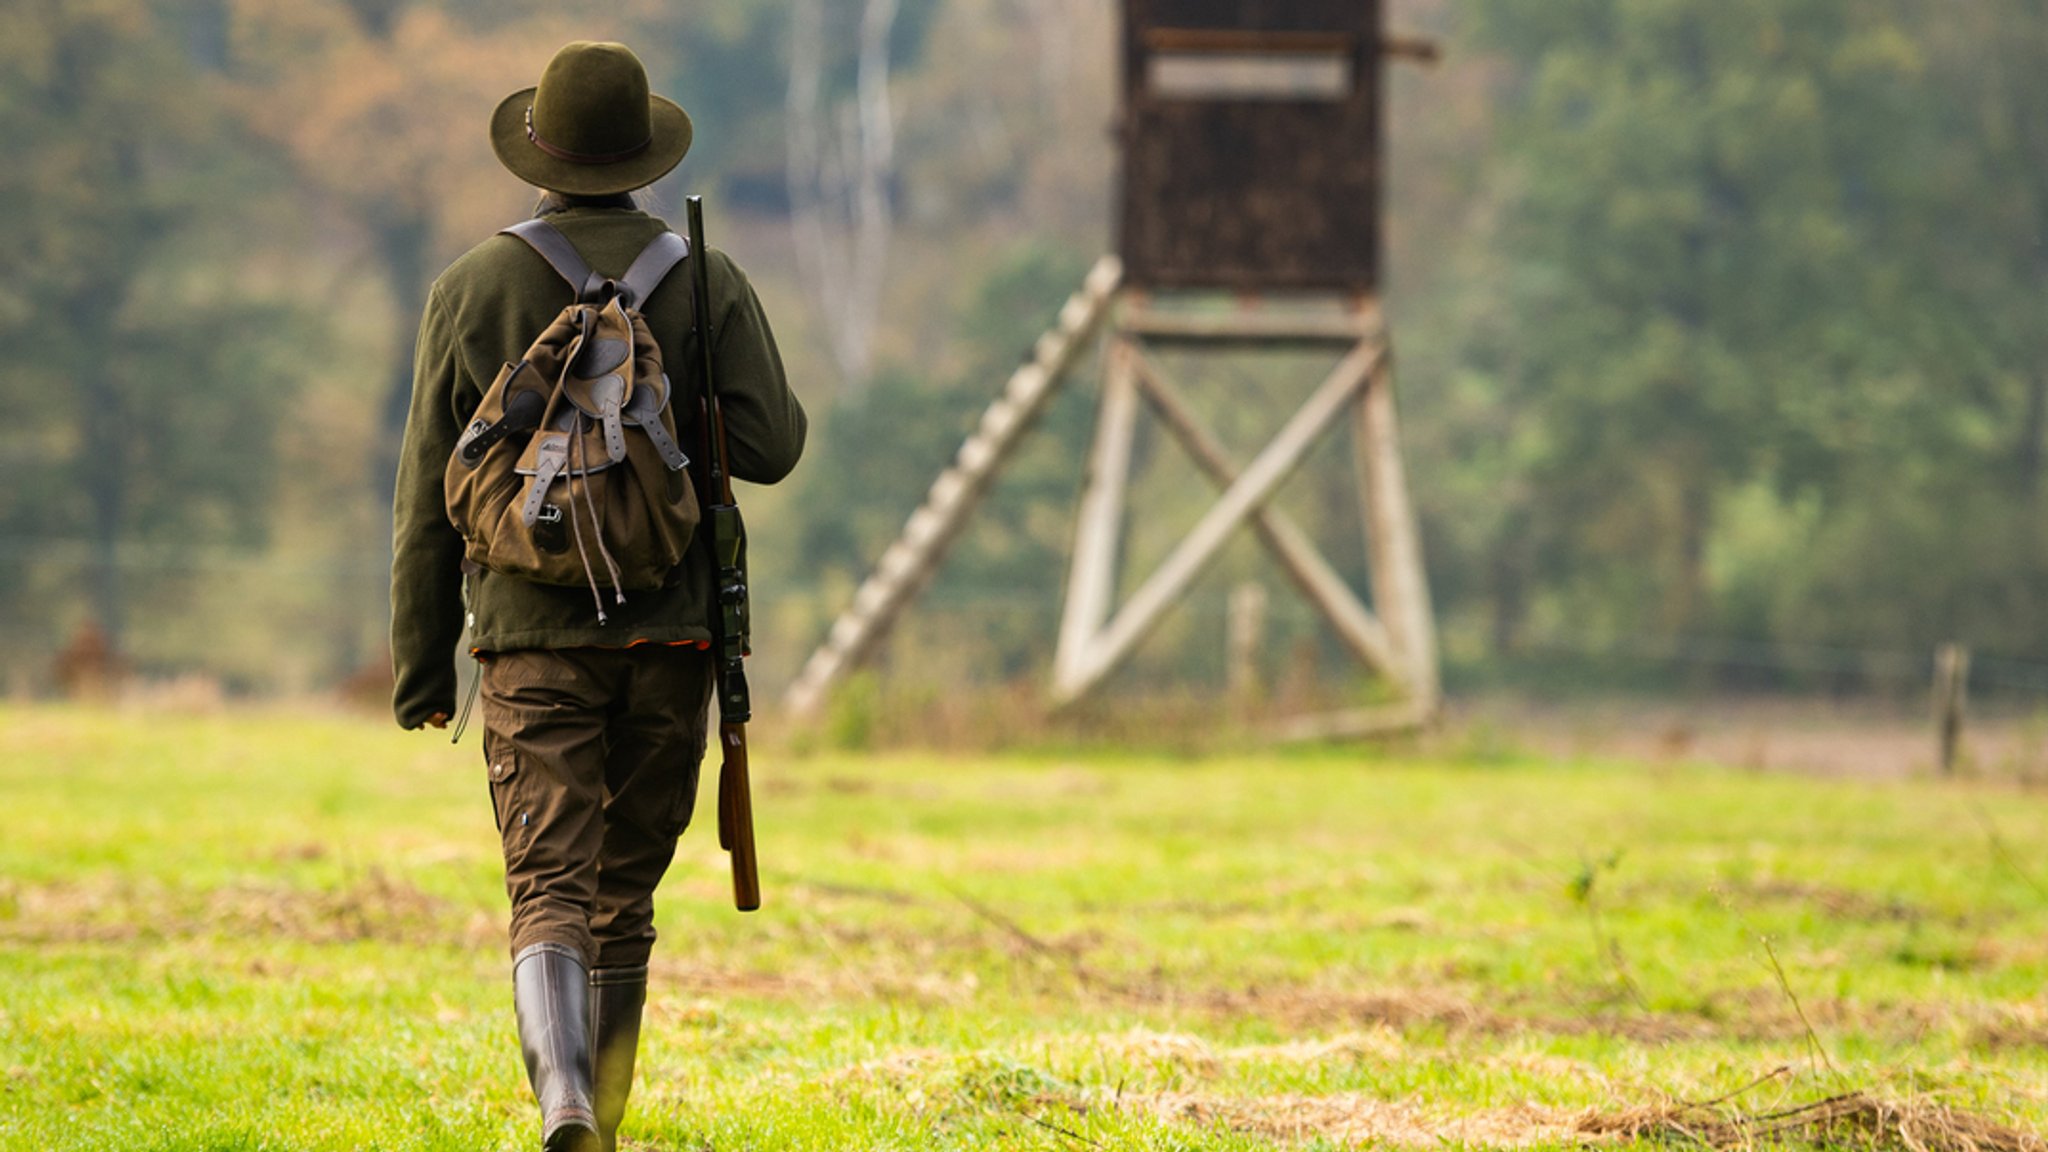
[{"x": 548, "y": 533}]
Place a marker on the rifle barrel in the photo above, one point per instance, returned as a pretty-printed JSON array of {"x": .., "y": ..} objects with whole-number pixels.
[
  {"x": 729, "y": 623},
  {"x": 700, "y": 274}
]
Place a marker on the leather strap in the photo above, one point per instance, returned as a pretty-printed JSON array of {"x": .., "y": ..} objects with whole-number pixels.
[
  {"x": 610, "y": 394},
  {"x": 553, "y": 458},
  {"x": 524, "y": 407},
  {"x": 662, "y": 253},
  {"x": 481, "y": 434},
  {"x": 561, "y": 255},
  {"x": 643, "y": 411}
]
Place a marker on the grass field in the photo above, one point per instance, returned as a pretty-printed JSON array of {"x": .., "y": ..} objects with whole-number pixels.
[{"x": 257, "y": 931}]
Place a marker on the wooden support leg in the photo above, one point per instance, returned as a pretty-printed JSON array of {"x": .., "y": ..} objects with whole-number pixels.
[
  {"x": 1400, "y": 586},
  {"x": 1091, "y": 578}
]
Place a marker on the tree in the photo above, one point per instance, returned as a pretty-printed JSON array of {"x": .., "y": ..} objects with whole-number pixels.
[
  {"x": 382, "y": 107},
  {"x": 1683, "y": 277},
  {"x": 145, "y": 382}
]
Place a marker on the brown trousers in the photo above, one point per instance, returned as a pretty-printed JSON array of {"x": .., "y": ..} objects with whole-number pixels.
[{"x": 593, "y": 756}]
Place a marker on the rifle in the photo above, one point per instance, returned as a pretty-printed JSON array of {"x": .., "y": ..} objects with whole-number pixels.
[{"x": 730, "y": 621}]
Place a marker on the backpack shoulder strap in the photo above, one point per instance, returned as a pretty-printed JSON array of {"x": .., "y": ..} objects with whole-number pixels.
[
  {"x": 561, "y": 255},
  {"x": 655, "y": 261}
]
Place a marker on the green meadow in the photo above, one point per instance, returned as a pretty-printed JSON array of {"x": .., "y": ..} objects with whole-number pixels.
[{"x": 258, "y": 930}]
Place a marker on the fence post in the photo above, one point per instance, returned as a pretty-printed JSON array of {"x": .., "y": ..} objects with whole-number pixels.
[
  {"x": 1244, "y": 639},
  {"x": 1951, "y": 691}
]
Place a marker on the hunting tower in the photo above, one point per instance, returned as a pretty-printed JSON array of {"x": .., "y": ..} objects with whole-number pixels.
[{"x": 1248, "y": 219}]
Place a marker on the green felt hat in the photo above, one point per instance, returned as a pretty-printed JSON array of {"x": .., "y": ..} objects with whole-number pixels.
[{"x": 590, "y": 128}]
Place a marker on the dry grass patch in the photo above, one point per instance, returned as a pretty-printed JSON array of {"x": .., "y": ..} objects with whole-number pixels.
[
  {"x": 933, "y": 1078},
  {"x": 1848, "y": 1120},
  {"x": 379, "y": 906},
  {"x": 1853, "y": 1120},
  {"x": 1352, "y": 1120}
]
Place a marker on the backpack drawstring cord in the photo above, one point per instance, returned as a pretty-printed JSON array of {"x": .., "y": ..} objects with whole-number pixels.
[
  {"x": 597, "y": 523},
  {"x": 575, "y": 523}
]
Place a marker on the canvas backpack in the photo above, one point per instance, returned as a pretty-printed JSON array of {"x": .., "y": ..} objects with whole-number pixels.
[{"x": 569, "y": 472}]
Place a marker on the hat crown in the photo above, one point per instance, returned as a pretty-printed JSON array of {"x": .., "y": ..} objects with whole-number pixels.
[
  {"x": 592, "y": 100},
  {"x": 590, "y": 127}
]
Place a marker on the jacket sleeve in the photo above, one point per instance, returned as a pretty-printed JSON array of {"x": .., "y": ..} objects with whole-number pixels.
[
  {"x": 426, "y": 567},
  {"x": 764, "y": 423}
]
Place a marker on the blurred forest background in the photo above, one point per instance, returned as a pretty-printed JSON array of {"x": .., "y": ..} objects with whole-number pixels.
[{"x": 1721, "y": 323}]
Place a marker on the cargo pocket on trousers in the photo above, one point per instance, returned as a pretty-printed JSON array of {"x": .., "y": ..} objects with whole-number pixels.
[{"x": 514, "y": 816}]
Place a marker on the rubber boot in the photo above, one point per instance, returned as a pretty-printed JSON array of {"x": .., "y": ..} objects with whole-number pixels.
[
  {"x": 617, "y": 996},
  {"x": 551, "y": 994}
]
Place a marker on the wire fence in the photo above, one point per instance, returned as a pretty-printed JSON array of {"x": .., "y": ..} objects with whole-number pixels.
[
  {"x": 316, "y": 617},
  {"x": 1791, "y": 662}
]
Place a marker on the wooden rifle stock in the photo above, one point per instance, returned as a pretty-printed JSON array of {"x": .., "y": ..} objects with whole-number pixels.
[
  {"x": 736, "y": 817},
  {"x": 729, "y": 621}
]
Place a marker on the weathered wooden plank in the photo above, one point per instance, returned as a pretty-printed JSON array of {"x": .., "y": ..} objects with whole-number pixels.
[{"x": 1244, "y": 326}]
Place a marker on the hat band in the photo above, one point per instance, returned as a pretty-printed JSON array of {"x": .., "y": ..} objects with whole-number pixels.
[{"x": 560, "y": 153}]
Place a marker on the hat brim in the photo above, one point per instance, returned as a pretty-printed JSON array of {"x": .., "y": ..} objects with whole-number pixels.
[{"x": 672, "y": 134}]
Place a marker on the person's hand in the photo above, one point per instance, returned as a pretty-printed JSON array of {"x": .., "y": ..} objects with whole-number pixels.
[{"x": 438, "y": 720}]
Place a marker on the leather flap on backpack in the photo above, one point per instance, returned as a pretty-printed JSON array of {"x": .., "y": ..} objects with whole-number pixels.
[
  {"x": 598, "y": 379},
  {"x": 601, "y": 354},
  {"x": 515, "y": 403},
  {"x": 581, "y": 454}
]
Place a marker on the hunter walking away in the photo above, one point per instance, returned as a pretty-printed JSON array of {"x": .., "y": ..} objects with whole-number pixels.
[
  {"x": 1604, "y": 442},
  {"x": 587, "y": 385}
]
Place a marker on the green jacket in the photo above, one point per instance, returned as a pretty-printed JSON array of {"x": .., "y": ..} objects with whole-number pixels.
[{"x": 481, "y": 314}]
